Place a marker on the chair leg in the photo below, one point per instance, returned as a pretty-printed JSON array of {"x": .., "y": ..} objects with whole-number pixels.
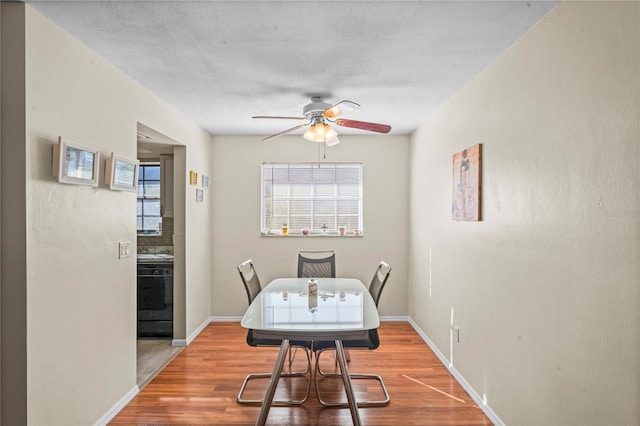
[
  {"x": 283, "y": 375},
  {"x": 347, "y": 356},
  {"x": 361, "y": 404},
  {"x": 292, "y": 354}
]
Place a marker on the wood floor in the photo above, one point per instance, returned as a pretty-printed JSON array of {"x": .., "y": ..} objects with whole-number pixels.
[
  {"x": 152, "y": 356},
  {"x": 200, "y": 385}
]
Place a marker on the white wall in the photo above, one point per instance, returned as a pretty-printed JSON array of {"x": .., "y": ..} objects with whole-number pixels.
[
  {"x": 544, "y": 288},
  {"x": 236, "y": 219},
  {"x": 81, "y": 300}
]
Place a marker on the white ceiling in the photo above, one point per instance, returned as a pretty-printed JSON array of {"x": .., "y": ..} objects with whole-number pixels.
[{"x": 221, "y": 62}]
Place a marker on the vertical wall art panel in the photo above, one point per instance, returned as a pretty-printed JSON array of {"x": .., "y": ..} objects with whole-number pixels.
[{"x": 466, "y": 171}]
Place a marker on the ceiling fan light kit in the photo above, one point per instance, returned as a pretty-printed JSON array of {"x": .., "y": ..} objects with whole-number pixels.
[
  {"x": 318, "y": 113},
  {"x": 321, "y": 132}
]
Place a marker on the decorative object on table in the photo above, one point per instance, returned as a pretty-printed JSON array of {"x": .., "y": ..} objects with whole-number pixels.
[
  {"x": 324, "y": 228},
  {"x": 467, "y": 173},
  {"x": 313, "y": 287},
  {"x": 305, "y": 231},
  {"x": 357, "y": 232},
  {"x": 313, "y": 303},
  {"x": 318, "y": 114},
  {"x": 75, "y": 163},
  {"x": 342, "y": 230},
  {"x": 193, "y": 178},
  {"x": 313, "y": 295},
  {"x": 199, "y": 195},
  {"x": 285, "y": 229},
  {"x": 121, "y": 173},
  {"x": 205, "y": 181}
]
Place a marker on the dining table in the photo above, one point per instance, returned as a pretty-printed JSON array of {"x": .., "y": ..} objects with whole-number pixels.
[{"x": 322, "y": 309}]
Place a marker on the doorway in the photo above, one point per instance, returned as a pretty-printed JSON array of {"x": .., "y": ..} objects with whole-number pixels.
[{"x": 160, "y": 246}]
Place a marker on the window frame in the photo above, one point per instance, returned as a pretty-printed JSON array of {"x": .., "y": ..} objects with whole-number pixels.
[
  {"x": 333, "y": 230},
  {"x": 141, "y": 180}
]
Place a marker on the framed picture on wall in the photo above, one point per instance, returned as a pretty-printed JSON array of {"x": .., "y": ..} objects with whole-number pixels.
[
  {"x": 75, "y": 163},
  {"x": 466, "y": 171},
  {"x": 121, "y": 173},
  {"x": 193, "y": 177}
]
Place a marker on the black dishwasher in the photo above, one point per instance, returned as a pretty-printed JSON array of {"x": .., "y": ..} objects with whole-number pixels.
[{"x": 155, "y": 300}]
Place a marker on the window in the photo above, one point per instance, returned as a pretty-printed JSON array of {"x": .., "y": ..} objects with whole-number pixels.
[
  {"x": 148, "y": 211},
  {"x": 319, "y": 197}
]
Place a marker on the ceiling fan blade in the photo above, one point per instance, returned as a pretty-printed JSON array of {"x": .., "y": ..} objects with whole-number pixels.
[
  {"x": 280, "y": 118},
  {"x": 339, "y": 108},
  {"x": 372, "y": 127},
  {"x": 284, "y": 132}
]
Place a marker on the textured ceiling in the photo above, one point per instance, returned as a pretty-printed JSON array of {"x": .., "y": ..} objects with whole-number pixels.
[{"x": 221, "y": 62}]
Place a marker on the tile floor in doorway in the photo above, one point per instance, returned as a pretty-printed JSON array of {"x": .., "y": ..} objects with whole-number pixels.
[{"x": 153, "y": 356}]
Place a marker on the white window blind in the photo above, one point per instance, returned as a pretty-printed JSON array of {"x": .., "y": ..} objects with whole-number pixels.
[{"x": 317, "y": 196}]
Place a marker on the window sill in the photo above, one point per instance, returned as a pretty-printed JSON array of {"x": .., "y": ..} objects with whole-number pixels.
[{"x": 313, "y": 235}]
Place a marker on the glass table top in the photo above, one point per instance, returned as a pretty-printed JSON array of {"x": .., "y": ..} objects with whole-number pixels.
[{"x": 341, "y": 304}]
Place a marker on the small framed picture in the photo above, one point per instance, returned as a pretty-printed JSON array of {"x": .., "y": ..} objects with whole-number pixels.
[
  {"x": 193, "y": 178},
  {"x": 121, "y": 173},
  {"x": 75, "y": 163},
  {"x": 199, "y": 195},
  {"x": 205, "y": 181}
]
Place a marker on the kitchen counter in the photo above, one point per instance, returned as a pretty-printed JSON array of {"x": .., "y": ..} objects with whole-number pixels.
[{"x": 155, "y": 258}]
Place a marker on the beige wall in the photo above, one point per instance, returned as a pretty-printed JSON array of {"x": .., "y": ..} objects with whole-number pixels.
[
  {"x": 545, "y": 288},
  {"x": 80, "y": 299},
  {"x": 236, "y": 218}
]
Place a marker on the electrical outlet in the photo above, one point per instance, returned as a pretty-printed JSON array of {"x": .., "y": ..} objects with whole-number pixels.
[{"x": 123, "y": 249}]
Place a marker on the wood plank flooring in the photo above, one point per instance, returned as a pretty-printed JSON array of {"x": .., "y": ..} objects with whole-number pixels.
[
  {"x": 153, "y": 355},
  {"x": 200, "y": 385}
]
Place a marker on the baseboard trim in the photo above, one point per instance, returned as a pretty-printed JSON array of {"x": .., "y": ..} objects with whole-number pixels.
[
  {"x": 467, "y": 387},
  {"x": 225, "y": 319},
  {"x": 109, "y": 415},
  {"x": 195, "y": 333},
  {"x": 394, "y": 318},
  {"x": 179, "y": 342}
]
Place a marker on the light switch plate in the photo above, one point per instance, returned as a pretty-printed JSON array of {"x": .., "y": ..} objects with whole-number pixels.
[{"x": 123, "y": 249}]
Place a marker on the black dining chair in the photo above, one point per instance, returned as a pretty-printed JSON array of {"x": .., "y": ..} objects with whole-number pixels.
[
  {"x": 372, "y": 342},
  {"x": 253, "y": 287},
  {"x": 316, "y": 264}
]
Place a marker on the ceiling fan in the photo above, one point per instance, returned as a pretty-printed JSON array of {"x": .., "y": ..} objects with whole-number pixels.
[{"x": 318, "y": 114}]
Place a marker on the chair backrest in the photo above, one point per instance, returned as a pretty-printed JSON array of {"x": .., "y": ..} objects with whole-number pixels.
[
  {"x": 316, "y": 264},
  {"x": 250, "y": 279},
  {"x": 379, "y": 280}
]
